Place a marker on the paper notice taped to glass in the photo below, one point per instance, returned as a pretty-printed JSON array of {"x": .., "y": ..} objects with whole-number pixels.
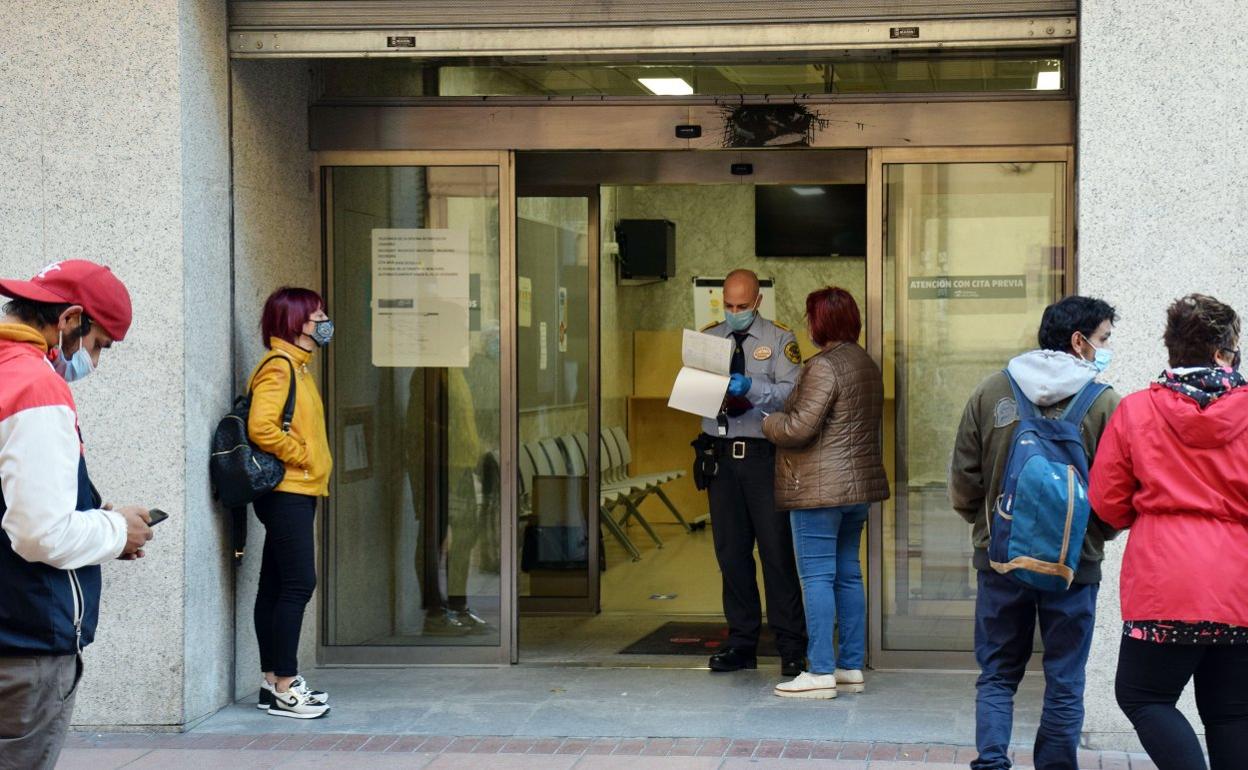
[
  {"x": 703, "y": 379},
  {"x": 421, "y": 299}
]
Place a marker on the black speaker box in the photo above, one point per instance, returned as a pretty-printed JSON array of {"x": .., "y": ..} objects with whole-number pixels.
[{"x": 647, "y": 249}]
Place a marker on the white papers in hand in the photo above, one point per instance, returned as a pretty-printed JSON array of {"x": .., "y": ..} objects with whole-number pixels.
[
  {"x": 706, "y": 352},
  {"x": 703, "y": 380}
]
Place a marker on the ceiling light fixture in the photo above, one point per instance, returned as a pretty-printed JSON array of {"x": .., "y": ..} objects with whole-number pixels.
[
  {"x": 1048, "y": 80},
  {"x": 667, "y": 86}
]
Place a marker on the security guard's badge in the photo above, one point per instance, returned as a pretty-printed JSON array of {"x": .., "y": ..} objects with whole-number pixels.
[
  {"x": 762, "y": 353},
  {"x": 792, "y": 353}
]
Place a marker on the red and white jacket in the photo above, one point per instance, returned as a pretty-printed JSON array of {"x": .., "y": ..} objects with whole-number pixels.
[{"x": 40, "y": 454}]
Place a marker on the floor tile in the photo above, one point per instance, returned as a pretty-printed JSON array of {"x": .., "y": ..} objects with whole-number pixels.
[
  {"x": 163, "y": 759},
  {"x": 97, "y": 759},
  {"x": 336, "y": 760},
  {"x": 617, "y": 762},
  {"x": 740, "y": 763},
  {"x": 501, "y": 762}
]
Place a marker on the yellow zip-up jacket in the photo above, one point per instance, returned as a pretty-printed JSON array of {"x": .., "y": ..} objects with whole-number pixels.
[{"x": 305, "y": 449}]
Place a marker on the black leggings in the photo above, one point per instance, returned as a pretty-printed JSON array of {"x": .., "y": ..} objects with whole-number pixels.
[
  {"x": 287, "y": 578},
  {"x": 1150, "y": 679}
]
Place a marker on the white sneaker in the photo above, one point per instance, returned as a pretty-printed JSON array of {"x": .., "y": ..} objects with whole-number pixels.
[
  {"x": 318, "y": 696},
  {"x": 266, "y": 693},
  {"x": 808, "y": 685},
  {"x": 850, "y": 680},
  {"x": 297, "y": 704}
]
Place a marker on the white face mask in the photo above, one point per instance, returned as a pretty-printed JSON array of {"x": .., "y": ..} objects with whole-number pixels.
[{"x": 75, "y": 368}]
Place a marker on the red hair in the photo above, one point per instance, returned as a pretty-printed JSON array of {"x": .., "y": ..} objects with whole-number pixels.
[
  {"x": 833, "y": 316},
  {"x": 286, "y": 311}
]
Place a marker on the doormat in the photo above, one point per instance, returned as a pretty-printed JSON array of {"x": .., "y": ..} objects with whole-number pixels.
[{"x": 693, "y": 638}]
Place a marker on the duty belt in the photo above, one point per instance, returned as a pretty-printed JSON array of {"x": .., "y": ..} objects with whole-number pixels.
[{"x": 738, "y": 448}]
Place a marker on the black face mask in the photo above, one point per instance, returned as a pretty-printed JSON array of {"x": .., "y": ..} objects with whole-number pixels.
[{"x": 1235, "y": 360}]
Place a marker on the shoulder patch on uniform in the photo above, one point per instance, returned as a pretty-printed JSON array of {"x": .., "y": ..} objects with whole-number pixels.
[
  {"x": 711, "y": 325},
  {"x": 793, "y": 352},
  {"x": 1005, "y": 412},
  {"x": 781, "y": 326}
]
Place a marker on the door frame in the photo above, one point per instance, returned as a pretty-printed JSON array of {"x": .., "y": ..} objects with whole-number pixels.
[
  {"x": 383, "y": 655},
  {"x": 877, "y": 228}
]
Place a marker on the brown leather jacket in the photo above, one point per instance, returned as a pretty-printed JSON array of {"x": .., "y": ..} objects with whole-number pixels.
[{"x": 828, "y": 435}]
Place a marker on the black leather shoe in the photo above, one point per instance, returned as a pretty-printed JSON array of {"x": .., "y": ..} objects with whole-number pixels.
[
  {"x": 792, "y": 666},
  {"x": 733, "y": 659}
]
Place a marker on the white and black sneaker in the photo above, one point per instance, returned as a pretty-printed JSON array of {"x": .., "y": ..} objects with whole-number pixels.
[
  {"x": 266, "y": 693},
  {"x": 297, "y": 704}
]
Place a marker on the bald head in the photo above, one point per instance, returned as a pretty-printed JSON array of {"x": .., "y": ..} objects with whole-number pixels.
[{"x": 740, "y": 291}]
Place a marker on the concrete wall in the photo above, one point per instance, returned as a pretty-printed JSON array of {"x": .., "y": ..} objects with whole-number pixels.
[
  {"x": 275, "y": 243},
  {"x": 208, "y": 578},
  {"x": 1161, "y": 211},
  {"x": 116, "y": 151}
]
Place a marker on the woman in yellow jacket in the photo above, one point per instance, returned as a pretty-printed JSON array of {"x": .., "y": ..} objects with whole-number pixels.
[{"x": 294, "y": 325}]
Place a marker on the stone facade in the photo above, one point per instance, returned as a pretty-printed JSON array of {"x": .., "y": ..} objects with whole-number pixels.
[
  {"x": 118, "y": 151},
  {"x": 1161, "y": 137}
]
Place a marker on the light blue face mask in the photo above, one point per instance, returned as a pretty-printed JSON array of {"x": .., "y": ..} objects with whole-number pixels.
[
  {"x": 739, "y": 322},
  {"x": 74, "y": 368},
  {"x": 1102, "y": 357}
]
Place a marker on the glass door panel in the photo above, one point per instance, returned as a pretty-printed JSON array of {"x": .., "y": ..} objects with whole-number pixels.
[
  {"x": 414, "y": 559},
  {"x": 558, "y": 542},
  {"x": 973, "y": 252}
]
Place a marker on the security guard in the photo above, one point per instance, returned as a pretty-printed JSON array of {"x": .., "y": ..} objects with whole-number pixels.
[{"x": 738, "y": 468}]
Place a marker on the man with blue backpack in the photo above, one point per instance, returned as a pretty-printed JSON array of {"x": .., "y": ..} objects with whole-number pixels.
[{"x": 1019, "y": 476}]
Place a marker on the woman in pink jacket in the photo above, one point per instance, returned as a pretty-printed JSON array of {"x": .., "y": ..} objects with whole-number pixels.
[{"x": 1173, "y": 467}]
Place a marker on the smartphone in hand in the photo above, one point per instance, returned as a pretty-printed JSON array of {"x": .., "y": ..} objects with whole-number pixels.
[{"x": 157, "y": 516}]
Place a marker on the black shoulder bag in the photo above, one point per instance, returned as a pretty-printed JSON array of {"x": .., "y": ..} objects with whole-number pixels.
[{"x": 240, "y": 471}]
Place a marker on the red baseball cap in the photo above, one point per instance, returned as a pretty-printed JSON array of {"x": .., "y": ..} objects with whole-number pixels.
[{"x": 78, "y": 282}]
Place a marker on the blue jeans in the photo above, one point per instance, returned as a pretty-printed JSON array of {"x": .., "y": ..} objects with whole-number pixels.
[
  {"x": 1005, "y": 622},
  {"x": 826, "y": 542}
]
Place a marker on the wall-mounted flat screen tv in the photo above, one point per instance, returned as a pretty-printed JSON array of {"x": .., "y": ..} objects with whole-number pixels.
[{"x": 809, "y": 220}]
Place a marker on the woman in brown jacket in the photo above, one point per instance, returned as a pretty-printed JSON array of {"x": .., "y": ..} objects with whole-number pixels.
[{"x": 829, "y": 469}]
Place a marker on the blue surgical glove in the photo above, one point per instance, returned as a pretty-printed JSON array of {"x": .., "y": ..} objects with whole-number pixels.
[{"x": 739, "y": 385}]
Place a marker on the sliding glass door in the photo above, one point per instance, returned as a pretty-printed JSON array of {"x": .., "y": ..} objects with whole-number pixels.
[
  {"x": 973, "y": 245},
  {"x": 417, "y": 550}
]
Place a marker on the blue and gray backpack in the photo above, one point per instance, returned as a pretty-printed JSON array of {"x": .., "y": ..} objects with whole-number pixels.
[{"x": 1038, "y": 523}]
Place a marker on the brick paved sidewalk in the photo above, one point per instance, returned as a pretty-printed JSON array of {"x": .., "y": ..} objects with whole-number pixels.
[{"x": 86, "y": 751}]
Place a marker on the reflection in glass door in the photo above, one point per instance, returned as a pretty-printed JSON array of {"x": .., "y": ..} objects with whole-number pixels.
[
  {"x": 556, "y": 366},
  {"x": 972, "y": 253},
  {"x": 414, "y": 536}
]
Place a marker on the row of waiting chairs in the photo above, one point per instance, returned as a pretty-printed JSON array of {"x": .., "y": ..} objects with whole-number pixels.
[{"x": 569, "y": 456}]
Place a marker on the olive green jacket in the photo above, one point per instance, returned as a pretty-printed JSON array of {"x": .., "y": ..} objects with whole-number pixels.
[{"x": 977, "y": 468}]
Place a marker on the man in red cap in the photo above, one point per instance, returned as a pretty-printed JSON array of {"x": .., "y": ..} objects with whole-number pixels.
[{"x": 55, "y": 533}]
